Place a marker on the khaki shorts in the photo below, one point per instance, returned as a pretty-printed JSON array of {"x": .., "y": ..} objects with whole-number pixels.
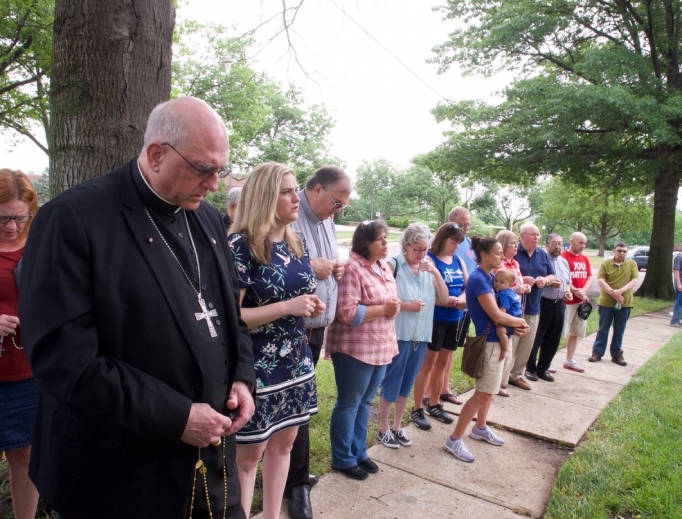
[
  {"x": 492, "y": 369},
  {"x": 573, "y": 324}
]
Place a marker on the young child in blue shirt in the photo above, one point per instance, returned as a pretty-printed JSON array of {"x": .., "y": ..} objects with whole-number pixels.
[{"x": 508, "y": 301}]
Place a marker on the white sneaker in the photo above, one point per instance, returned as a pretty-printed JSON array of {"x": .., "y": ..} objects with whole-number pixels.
[
  {"x": 487, "y": 435},
  {"x": 458, "y": 449},
  {"x": 573, "y": 366}
]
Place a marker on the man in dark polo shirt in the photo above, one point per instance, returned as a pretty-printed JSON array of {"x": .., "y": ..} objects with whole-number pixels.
[
  {"x": 537, "y": 270},
  {"x": 552, "y": 308}
]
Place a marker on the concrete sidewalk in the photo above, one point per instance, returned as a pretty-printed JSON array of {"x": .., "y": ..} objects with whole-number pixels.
[{"x": 540, "y": 427}]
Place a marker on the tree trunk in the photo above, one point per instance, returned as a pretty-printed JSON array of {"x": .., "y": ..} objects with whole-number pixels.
[
  {"x": 658, "y": 281},
  {"x": 111, "y": 66}
]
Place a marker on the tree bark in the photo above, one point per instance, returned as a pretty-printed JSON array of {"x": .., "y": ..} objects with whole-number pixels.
[
  {"x": 111, "y": 66},
  {"x": 658, "y": 281}
]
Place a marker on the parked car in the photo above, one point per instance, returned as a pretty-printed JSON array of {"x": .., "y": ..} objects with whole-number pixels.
[{"x": 638, "y": 253}]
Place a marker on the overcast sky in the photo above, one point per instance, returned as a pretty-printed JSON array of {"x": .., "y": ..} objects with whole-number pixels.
[{"x": 381, "y": 109}]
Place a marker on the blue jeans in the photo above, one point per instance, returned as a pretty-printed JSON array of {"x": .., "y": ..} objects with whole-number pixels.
[
  {"x": 677, "y": 309},
  {"x": 356, "y": 385},
  {"x": 402, "y": 371},
  {"x": 619, "y": 319}
]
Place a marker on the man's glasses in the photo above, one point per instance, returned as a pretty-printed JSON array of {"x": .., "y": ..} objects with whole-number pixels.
[
  {"x": 338, "y": 206},
  {"x": 205, "y": 172},
  {"x": 20, "y": 219}
]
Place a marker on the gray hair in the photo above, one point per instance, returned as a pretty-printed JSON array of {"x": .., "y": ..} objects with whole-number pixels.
[
  {"x": 620, "y": 244},
  {"x": 415, "y": 232},
  {"x": 527, "y": 226},
  {"x": 233, "y": 196},
  {"x": 164, "y": 125},
  {"x": 551, "y": 236},
  {"x": 456, "y": 212},
  {"x": 327, "y": 176}
]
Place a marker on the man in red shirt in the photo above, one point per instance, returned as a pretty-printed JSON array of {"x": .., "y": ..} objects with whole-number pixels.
[{"x": 581, "y": 280}]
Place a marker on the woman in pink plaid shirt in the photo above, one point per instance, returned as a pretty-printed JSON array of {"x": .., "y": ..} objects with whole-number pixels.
[{"x": 361, "y": 343}]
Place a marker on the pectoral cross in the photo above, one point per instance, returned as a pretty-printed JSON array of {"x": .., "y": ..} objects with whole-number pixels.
[{"x": 206, "y": 315}]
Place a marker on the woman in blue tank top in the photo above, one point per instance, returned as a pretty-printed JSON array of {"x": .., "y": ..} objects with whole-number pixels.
[{"x": 448, "y": 329}]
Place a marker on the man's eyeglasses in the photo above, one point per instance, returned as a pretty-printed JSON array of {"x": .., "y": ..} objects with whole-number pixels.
[
  {"x": 338, "y": 206},
  {"x": 205, "y": 172},
  {"x": 20, "y": 219}
]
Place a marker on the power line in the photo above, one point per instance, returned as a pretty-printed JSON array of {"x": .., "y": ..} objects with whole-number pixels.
[{"x": 405, "y": 66}]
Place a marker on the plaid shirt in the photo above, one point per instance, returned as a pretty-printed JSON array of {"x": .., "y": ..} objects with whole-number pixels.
[{"x": 373, "y": 342}]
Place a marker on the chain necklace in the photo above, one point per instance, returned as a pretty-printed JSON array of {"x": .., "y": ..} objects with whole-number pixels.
[
  {"x": 205, "y": 314},
  {"x": 200, "y": 467},
  {"x": 460, "y": 327}
]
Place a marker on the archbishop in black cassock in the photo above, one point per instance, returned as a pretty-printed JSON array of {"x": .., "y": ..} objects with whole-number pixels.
[{"x": 131, "y": 324}]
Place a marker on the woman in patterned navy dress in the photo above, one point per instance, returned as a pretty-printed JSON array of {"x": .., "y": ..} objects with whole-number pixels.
[{"x": 277, "y": 294}]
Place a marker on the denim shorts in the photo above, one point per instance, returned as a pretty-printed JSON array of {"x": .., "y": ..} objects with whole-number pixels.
[
  {"x": 18, "y": 402},
  {"x": 402, "y": 370}
]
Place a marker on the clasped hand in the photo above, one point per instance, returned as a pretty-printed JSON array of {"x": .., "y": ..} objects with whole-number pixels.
[
  {"x": 205, "y": 426},
  {"x": 307, "y": 305},
  {"x": 8, "y": 324}
]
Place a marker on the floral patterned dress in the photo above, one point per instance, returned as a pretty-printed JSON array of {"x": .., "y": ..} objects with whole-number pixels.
[{"x": 286, "y": 392}]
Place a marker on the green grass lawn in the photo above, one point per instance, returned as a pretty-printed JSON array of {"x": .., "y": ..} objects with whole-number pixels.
[{"x": 630, "y": 464}]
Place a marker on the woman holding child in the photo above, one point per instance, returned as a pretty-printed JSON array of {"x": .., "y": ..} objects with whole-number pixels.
[
  {"x": 485, "y": 315},
  {"x": 420, "y": 287}
]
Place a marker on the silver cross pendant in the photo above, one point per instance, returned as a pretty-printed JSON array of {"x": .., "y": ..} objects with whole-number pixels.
[{"x": 206, "y": 315}]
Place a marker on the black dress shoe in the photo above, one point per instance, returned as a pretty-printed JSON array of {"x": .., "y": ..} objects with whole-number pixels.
[
  {"x": 355, "y": 472},
  {"x": 299, "y": 503},
  {"x": 369, "y": 466},
  {"x": 546, "y": 376},
  {"x": 312, "y": 480}
]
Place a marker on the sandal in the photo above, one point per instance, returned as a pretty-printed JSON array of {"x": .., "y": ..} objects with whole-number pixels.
[
  {"x": 450, "y": 398},
  {"x": 503, "y": 392}
]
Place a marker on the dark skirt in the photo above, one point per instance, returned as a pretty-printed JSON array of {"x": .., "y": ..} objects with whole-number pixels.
[{"x": 18, "y": 402}]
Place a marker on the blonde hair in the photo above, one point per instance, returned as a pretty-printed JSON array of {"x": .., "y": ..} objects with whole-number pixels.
[
  {"x": 504, "y": 237},
  {"x": 257, "y": 212},
  {"x": 15, "y": 185},
  {"x": 507, "y": 275}
]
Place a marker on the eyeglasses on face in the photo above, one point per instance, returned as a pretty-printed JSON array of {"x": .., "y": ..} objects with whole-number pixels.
[
  {"x": 338, "y": 206},
  {"x": 20, "y": 219},
  {"x": 418, "y": 251},
  {"x": 205, "y": 172}
]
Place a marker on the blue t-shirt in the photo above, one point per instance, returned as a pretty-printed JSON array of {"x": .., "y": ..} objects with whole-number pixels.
[
  {"x": 467, "y": 255},
  {"x": 480, "y": 283},
  {"x": 510, "y": 302},
  {"x": 537, "y": 265},
  {"x": 454, "y": 279}
]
